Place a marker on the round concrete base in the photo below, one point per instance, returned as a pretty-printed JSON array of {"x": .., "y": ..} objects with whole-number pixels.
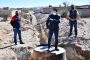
[{"x": 42, "y": 53}]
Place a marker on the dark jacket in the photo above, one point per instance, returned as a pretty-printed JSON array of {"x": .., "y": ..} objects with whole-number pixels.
[
  {"x": 52, "y": 22},
  {"x": 15, "y": 22}
]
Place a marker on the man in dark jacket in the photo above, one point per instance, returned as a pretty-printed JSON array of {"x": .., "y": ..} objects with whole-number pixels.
[
  {"x": 15, "y": 22},
  {"x": 52, "y": 24}
]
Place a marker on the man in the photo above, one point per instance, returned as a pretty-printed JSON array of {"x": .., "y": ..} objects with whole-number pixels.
[
  {"x": 30, "y": 19},
  {"x": 52, "y": 24},
  {"x": 15, "y": 22},
  {"x": 73, "y": 15}
]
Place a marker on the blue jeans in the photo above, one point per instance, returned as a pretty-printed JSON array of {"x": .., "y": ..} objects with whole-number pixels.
[
  {"x": 17, "y": 31},
  {"x": 50, "y": 37},
  {"x": 73, "y": 24}
]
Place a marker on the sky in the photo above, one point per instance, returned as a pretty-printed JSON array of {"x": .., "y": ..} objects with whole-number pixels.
[{"x": 39, "y": 3}]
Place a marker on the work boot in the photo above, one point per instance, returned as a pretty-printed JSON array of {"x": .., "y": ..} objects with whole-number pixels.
[
  {"x": 21, "y": 42},
  {"x": 15, "y": 43},
  {"x": 56, "y": 49},
  {"x": 69, "y": 35},
  {"x": 75, "y": 36}
]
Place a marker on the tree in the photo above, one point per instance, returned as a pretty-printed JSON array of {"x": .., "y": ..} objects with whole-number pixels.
[
  {"x": 5, "y": 17},
  {"x": 66, "y": 4},
  {"x": 6, "y": 14},
  {"x": 50, "y": 5},
  {"x": 60, "y": 5}
]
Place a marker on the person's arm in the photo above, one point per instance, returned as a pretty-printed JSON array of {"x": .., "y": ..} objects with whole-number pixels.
[
  {"x": 78, "y": 15},
  {"x": 59, "y": 19},
  {"x": 67, "y": 17},
  {"x": 47, "y": 22}
]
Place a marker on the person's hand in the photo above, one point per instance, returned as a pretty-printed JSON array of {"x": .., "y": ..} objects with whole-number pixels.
[
  {"x": 67, "y": 17},
  {"x": 51, "y": 19},
  {"x": 78, "y": 17},
  {"x": 46, "y": 28}
]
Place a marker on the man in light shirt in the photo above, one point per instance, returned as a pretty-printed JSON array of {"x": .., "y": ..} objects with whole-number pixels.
[{"x": 73, "y": 16}]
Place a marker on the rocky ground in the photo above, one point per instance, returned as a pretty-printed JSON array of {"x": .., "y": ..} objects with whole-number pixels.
[
  {"x": 35, "y": 34},
  {"x": 77, "y": 48}
]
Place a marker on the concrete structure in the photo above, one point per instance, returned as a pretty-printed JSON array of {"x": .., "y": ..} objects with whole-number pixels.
[{"x": 40, "y": 53}]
